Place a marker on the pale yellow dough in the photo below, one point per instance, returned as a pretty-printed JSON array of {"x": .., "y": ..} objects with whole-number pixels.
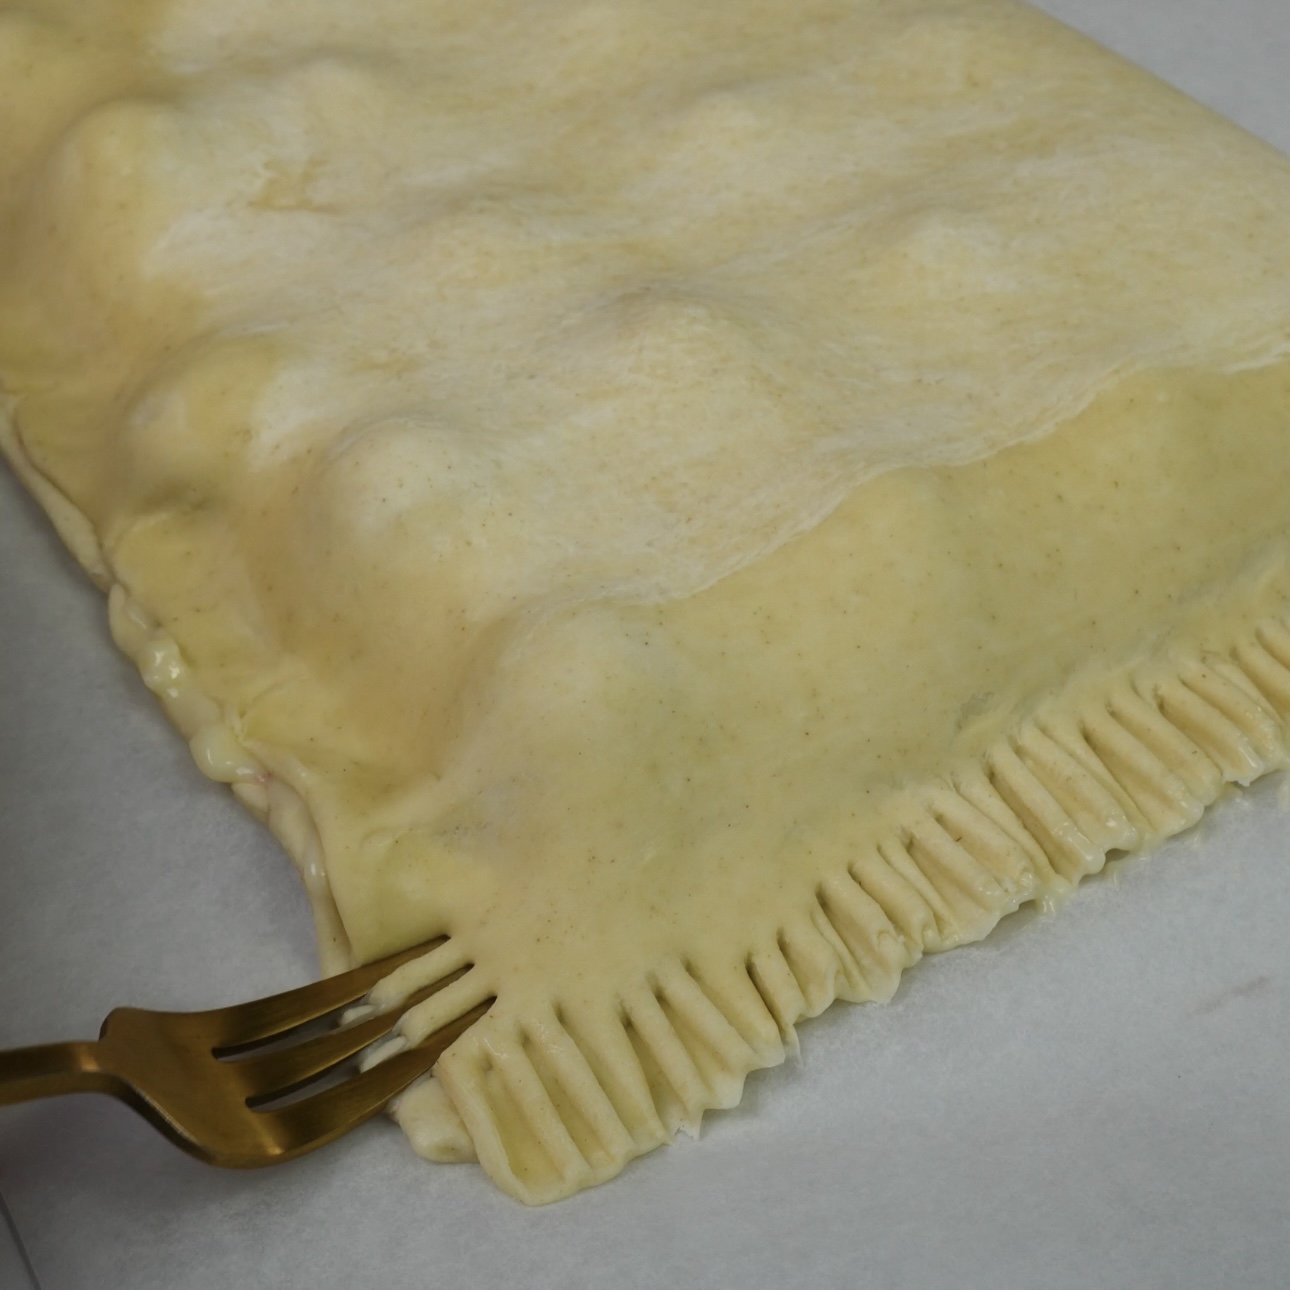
[{"x": 701, "y": 504}]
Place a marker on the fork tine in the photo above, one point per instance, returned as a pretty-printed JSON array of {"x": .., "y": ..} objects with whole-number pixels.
[
  {"x": 315, "y": 1121},
  {"x": 283, "y": 1070},
  {"x": 243, "y": 1025}
]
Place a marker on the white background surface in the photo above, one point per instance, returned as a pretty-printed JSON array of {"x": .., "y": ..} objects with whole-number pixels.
[{"x": 1095, "y": 1099}]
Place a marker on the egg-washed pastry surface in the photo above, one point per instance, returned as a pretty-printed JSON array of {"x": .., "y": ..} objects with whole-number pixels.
[{"x": 700, "y": 504}]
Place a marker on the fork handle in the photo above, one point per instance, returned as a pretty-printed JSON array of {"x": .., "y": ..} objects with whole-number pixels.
[{"x": 50, "y": 1069}]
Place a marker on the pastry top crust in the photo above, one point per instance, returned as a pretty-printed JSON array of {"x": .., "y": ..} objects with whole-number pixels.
[{"x": 540, "y": 435}]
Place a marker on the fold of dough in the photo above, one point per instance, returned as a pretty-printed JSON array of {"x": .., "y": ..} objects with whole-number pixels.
[{"x": 702, "y": 506}]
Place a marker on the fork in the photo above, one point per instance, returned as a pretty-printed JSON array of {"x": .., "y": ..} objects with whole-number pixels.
[{"x": 213, "y": 1082}]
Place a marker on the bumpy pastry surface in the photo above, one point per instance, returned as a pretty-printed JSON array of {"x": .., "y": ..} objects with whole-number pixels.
[{"x": 700, "y": 503}]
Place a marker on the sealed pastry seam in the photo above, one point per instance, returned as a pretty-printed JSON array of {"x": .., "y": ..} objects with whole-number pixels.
[
  {"x": 553, "y": 1107},
  {"x": 211, "y": 732},
  {"x": 759, "y": 503}
]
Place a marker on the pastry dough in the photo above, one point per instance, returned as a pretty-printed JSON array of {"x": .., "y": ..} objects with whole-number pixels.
[{"x": 701, "y": 504}]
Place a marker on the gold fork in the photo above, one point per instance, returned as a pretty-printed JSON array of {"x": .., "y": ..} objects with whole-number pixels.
[{"x": 207, "y": 1080}]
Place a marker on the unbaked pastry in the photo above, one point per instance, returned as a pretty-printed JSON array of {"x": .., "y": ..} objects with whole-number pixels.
[{"x": 702, "y": 504}]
